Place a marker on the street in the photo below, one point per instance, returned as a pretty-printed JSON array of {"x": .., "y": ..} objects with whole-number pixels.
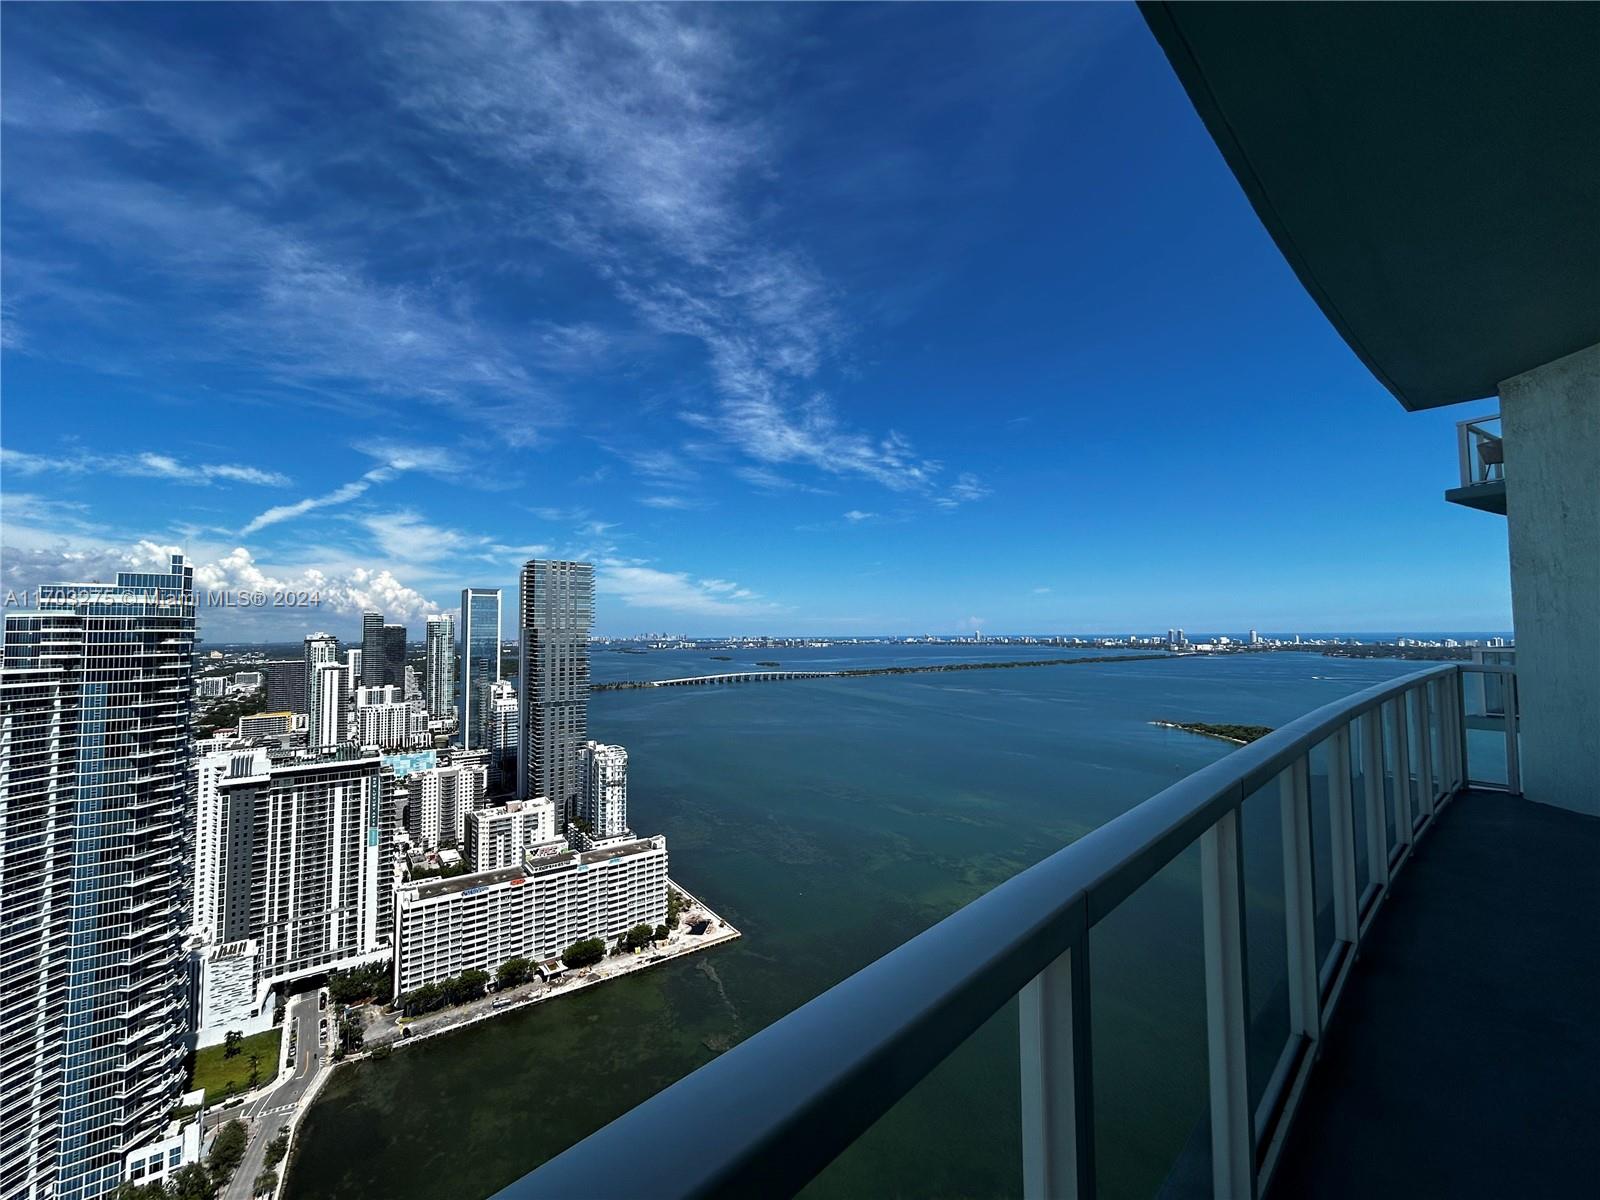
[{"x": 265, "y": 1114}]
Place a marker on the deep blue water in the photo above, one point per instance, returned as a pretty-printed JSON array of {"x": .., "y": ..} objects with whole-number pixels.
[{"x": 831, "y": 820}]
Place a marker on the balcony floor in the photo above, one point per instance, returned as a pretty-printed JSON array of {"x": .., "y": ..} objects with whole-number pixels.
[{"x": 1464, "y": 1059}]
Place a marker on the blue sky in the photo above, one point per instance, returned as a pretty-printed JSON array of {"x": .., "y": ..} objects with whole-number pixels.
[{"x": 836, "y": 319}]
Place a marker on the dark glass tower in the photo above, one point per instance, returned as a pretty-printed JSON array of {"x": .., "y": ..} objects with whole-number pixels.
[
  {"x": 556, "y": 611},
  {"x": 372, "y": 649}
]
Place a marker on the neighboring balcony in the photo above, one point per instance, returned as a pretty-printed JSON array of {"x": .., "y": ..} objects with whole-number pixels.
[{"x": 1482, "y": 454}]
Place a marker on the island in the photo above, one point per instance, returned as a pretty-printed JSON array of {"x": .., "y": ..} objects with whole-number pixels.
[{"x": 1239, "y": 735}]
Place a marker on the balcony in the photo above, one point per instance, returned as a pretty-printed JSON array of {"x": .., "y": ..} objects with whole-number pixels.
[
  {"x": 1398, "y": 960},
  {"x": 1481, "y": 452}
]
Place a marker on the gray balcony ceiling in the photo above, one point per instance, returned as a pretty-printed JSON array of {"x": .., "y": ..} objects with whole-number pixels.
[{"x": 1431, "y": 172}]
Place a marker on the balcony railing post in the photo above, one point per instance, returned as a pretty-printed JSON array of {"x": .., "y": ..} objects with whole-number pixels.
[
  {"x": 1372, "y": 785},
  {"x": 1342, "y": 831},
  {"x": 1463, "y": 449},
  {"x": 1460, "y": 691},
  {"x": 1057, "y": 1111},
  {"x": 1222, "y": 894},
  {"x": 1300, "y": 906}
]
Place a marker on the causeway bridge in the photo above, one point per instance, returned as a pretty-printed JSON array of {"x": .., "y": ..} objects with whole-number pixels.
[{"x": 740, "y": 677}]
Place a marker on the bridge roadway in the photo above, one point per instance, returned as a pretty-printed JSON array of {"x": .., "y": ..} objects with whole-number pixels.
[{"x": 740, "y": 677}]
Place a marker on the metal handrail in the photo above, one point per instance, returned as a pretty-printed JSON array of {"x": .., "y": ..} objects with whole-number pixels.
[{"x": 778, "y": 1107}]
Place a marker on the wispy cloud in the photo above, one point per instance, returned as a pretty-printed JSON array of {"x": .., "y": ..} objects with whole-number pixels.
[
  {"x": 139, "y": 466},
  {"x": 339, "y": 495},
  {"x": 672, "y": 502},
  {"x": 634, "y": 118},
  {"x": 855, "y": 516},
  {"x": 641, "y": 586}
]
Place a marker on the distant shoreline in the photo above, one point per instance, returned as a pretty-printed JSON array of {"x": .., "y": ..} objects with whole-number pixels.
[{"x": 923, "y": 669}]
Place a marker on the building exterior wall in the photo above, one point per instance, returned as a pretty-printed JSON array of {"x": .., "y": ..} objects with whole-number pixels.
[
  {"x": 480, "y": 659},
  {"x": 497, "y": 837},
  {"x": 96, "y": 713},
  {"x": 439, "y": 686},
  {"x": 556, "y": 608},
  {"x": 372, "y": 649},
  {"x": 307, "y": 855},
  {"x": 286, "y": 684},
  {"x": 1550, "y": 419},
  {"x": 330, "y": 703},
  {"x": 605, "y": 790},
  {"x": 479, "y": 921}
]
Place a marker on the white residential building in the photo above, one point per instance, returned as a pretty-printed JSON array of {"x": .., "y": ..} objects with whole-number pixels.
[
  {"x": 294, "y": 854},
  {"x": 212, "y": 688},
  {"x": 603, "y": 803},
  {"x": 383, "y": 719},
  {"x": 440, "y": 799},
  {"x": 228, "y": 976},
  {"x": 500, "y": 731},
  {"x": 330, "y": 706},
  {"x": 439, "y": 666},
  {"x": 320, "y": 650},
  {"x": 537, "y": 910},
  {"x": 498, "y": 837},
  {"x": 248, "y": 679}
]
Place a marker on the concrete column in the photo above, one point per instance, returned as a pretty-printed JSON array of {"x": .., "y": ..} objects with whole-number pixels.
[{"x": 1550, "y": 418}]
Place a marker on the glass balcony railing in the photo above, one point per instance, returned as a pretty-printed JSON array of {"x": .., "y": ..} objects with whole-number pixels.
[
  {"x": 1222, "y": 918},
  {"x": 1480, "y": 451}
]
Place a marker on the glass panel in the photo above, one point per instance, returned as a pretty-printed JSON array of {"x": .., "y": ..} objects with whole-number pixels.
[
  {"x": 1322, "y": 848},
  {"x": 1147, "y": 986},
  {"x": 1436, "y": 746},
  {"x": 1358, "y": 809},
  {"x": 1390, "y": 792},
  {"x": 1266, "y": 948},
  {"x": 1484, "y": 713},
  {"x": 933, "y": 1127},
  {"x": 1416, "y": 747}
]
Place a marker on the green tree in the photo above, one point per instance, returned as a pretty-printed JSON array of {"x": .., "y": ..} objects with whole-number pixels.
[
  {"x": 512, "y": 972},
  {"x": 639, "y": 937},
  {"x": 266, "y": 1182},
  {"x": 227, "y": 1149},
  {"x": 255, "y": 1069},
  {"x": 193, "y": 1182},
  {"x": 661, "y": 933},
  {"x": 231, "y": 1042},
  {"x": 675, "y": 906},
  {"x": 585, "y": 953}
]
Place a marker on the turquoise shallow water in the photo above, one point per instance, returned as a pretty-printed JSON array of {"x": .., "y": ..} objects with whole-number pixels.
[{"x": 830, "y": 820}]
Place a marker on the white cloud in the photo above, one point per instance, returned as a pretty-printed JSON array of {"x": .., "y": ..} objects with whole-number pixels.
[
  {"x": 855, "y": 516},
  {"x": 638, "y": 120},
  {"x": 674, "y": 502},
  {"x": 677, "y": 592},
  {"x": 147, "y": 465},
  {"x": 1041, "y": 591},
  {"x": 340, "y": 495}
]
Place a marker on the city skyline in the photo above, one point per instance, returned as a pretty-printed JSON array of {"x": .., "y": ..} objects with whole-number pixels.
[{"x": 748, "y": 343}]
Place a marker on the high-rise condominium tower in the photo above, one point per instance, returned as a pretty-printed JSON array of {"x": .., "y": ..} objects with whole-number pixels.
[
  {"x": 372, "y": 649},
  {"x": 480, "y": 660},
  {"x": 321, "y": 649},
  {"x": 604, "y": 804},
  {"x": 96, "y": 705},
  {"x": 394, "y": 657},
  {"x": 556, "y": 610},
  {"x": 439, "y": 666}
]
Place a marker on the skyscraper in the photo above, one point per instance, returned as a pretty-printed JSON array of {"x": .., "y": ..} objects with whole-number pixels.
[
  {"x": 96, "y": 707},
  {"x": 371, "y": 649},
  {"x": 439, "y": 666},
  {"x": 329, "y": 722},
  {"x": 556, "y": 609},
  {"x": 480, "y": 660},
  {"x": 321, "y": 648},
  {"x": 394, "y": 657},
  {"x": 286, "y": 684}
]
